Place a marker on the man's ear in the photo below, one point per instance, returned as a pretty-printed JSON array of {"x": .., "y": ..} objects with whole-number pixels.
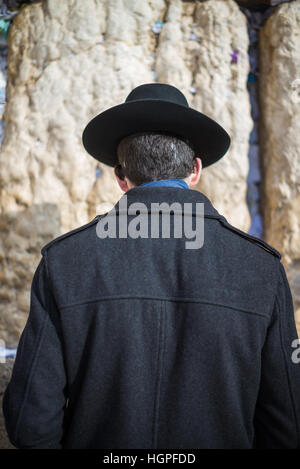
[
  {"x": 119, "y": 172},
  {"x": 121, "y": 179},
  {"x": 196, "y": 172}
]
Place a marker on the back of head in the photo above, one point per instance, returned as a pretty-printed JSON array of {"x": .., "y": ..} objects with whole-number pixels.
[{"x": 151, "y": 156}]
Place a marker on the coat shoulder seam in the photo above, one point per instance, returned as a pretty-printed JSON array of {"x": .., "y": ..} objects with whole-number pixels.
[
  {"x": 69, "y": 233},
  {"x": 259, "y": 242}
]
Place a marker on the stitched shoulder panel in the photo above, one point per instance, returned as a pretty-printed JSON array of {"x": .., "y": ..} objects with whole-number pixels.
[
  {"x": 69, "y": 233},
  {"x": 251, "y": 238}
]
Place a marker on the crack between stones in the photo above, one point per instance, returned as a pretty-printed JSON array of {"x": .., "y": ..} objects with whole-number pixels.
[
  {"x": 255, "y": 20},
  {"x": 157, "y": 40}
]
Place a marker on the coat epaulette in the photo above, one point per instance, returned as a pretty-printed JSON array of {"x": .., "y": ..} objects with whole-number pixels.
[
  {"x": 69, "y": 233},
  {"x": 251, "y": 238}
]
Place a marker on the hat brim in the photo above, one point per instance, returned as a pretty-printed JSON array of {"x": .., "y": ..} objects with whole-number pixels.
[{"x": 103, "y": 133}]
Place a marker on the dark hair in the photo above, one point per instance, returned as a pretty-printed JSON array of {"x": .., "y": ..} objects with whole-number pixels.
[{"x": 151, "y": 156}]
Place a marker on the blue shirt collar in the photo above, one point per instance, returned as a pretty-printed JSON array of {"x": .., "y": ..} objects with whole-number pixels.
[{"x": 167, "y": 182}]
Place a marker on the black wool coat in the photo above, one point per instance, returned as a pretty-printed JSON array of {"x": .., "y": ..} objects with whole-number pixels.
[{"x": 143, "y": 343}]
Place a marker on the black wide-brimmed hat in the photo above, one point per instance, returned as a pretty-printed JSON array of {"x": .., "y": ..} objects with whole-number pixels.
[{"x": 154, "y": 107}]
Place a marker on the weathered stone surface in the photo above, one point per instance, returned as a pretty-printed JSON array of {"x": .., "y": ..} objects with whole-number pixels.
[
  {"x": 194, "y": 54},
  {"x": 280, "y": 136},
  {"x": 5, "y": 373},
  {"x": 69, "y": 61},
  {"x": 221, "y": 93}
]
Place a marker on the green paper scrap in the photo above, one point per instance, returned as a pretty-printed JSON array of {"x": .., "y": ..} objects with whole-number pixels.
[{"x": 4, "y": 27}]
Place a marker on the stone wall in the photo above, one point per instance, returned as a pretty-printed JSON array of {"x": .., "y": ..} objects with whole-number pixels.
[
  {"x": 280, "y": 134},
  {"x": 68, "y": 61},
  {"x": 194, "y": 53}
]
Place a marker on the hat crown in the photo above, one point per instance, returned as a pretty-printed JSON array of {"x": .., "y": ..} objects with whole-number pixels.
[{"x": 160, "y": 91}]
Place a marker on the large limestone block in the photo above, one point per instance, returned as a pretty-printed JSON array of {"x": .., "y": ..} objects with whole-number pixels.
[
  {"x": 280, "y": 136},
  {"x": 67, "y": 61},
  {"x": 194, "y": 54},
  {"x": 70, "y": 60}
]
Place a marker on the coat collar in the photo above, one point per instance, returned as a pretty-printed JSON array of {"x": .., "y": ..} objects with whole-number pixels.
[{"x": 150, "y": 194}]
